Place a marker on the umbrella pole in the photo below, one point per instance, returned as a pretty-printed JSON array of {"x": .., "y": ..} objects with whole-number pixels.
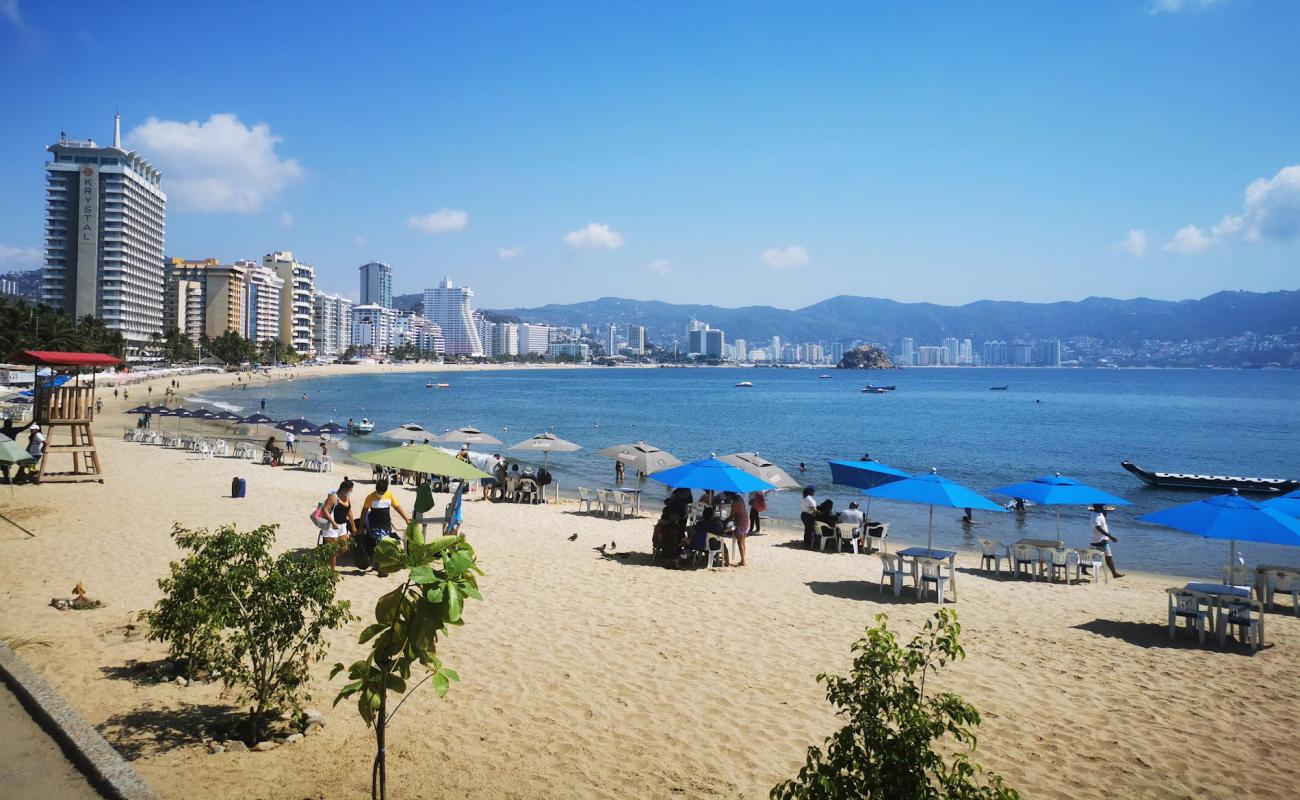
[
  {"x": 1058, "y": 526},
  {"x": 929, "y": 539}
]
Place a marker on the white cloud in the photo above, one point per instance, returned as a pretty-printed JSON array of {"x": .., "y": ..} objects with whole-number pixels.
[
  {"x": 787, "y": 257},
  {"x": 440, "y": 221},
  {"x": 661, "y": 266},
  {"x": 1134, "y": 243},
  {"x": 286, "y": 219},
  {"x": 1174, "y": 6},
  {"x": 1188, "y": 239},
  {"x": 1271, "y": 211},
  {"x": 21, "y": 255},
  {"x": 506, "y": 253},
  {"x": 361, "y": 240},
  {"x": 9, "y": 10},
  {"x": 218, "y": 165},
  {"x": 596, "y": 234}
]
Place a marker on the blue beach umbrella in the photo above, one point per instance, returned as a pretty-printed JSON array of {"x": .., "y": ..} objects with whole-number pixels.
[
  {"x": 1231, "y": 517},
  {"x": 333, "y": 429},
  {"x": 299, "y": 426},
  {"x": 228, "y": 416},
  {"x": 181, "y": 412},
  {"x": 203, "y": 415},
  {"x": 933, "y": 490},
  {"x": 1288, "y": 503},
  {"x": 142, "y": 409},
  {"x": 865, "y": 475},
  {"x": 710, "y": 473},
  {"x": 1058, "y": 490},
  {"x": 256, "y": 419}
]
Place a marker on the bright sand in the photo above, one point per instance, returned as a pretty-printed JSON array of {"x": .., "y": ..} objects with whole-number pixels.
[{"x": 587, "y": 676}]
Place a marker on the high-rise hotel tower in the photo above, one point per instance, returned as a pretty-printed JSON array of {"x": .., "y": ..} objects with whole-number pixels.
[
  {"x": 105, "y": 219},
  {"x": 451, "y": 307}
]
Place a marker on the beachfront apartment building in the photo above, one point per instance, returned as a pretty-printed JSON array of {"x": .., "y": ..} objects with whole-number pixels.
[
  {"x": 203, "y": 297},
  {"x": 331, "y": 317},
  {"x": 376, "y": 284},
  {"x": 578, "y": 351},
  {"x": 372, "y": 329},
  {"x": 715, "y": 343},
  {"x": 295, "y": 299},
  {"x": 105, "y": 221},
  {"x": 636, "y": 339},
  {"x": 505, "y": 340},
  {"x": 262, "y": 291},
  {"x": 452, "y": 308},
  {"x": 534, "y": 338},
  {"x": 421, "y": 333}
]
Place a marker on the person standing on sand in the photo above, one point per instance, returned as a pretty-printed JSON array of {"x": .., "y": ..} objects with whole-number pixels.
[
  {"x": 808, "y": 514},
  {"x": 757, "y": 504},
  {"x": 1102, "y": 537},
  {"x": 289, "y": 442},
  {"x": 740, "y": 516},
  {"x": 338, "y": 510}
]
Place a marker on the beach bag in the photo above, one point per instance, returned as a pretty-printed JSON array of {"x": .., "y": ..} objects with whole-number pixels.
[{"x": 319, "y": 518}]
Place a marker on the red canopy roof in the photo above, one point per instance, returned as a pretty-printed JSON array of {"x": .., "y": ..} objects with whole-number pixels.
[{"x": 53, "y": 358}]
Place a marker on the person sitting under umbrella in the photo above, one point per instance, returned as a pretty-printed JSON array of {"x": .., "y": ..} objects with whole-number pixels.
[
  {"x": 708, "y": 526},
  {"x": 273, "y": 453}
]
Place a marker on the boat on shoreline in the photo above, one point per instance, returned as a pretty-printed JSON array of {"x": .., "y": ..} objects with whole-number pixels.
[{"x": 1180, "y": 480}]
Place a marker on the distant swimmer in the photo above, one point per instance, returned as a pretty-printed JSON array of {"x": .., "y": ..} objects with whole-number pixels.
[{"x": 803, "y": 467}]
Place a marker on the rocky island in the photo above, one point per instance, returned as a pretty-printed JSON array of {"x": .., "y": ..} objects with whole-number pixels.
[{"x": 865, "y": 357}]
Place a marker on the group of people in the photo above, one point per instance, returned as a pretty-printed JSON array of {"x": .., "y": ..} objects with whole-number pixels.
[
  {"x": 362, "y": 532},
  {"x": 813, "y": 514},
  {"x": 675, "y": 540},
  {"x": 507, "y": 479}
]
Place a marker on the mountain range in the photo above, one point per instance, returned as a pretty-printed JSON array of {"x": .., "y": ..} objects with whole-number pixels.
[{"x": 846, "y": 318}]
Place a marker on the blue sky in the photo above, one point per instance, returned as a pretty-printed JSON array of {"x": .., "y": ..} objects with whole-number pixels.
[{"x": 728, "y": 153}]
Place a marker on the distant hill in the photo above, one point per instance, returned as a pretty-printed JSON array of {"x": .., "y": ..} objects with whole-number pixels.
[
  {"x": 29, "y": 283},
  {"x": 846, "y": 318}
]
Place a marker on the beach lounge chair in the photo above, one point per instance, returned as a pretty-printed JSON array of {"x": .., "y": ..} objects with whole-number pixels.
[
  {"x": 1025, "y": 557},
  {"x": 1060, "y": 563},
  {"x": 1095, "y": 561},
  {"x": 932, "y": 575},
  {"x": 1241, "y": 615},
  {"x": 878, "y": 531},
  {"x": 992, "y": 554},
  {"x": 1191, "y": 606},
  {"x": 892, "y": 572},
  {"x": 585, "y": 498},
  {"x": 847, "y": 534}
]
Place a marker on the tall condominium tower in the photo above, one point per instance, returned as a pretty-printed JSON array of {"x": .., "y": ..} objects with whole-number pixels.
[
  {"x": 204, "y": 297},
  {"x": 376, "y": 284},
  {"x": 105, "y": 219},
  {"x": 295, "y": 299},
  {"x": 331, "y": 324},
  {"x": 262, "y": 289},
  {"x": 451, "y": 307}
]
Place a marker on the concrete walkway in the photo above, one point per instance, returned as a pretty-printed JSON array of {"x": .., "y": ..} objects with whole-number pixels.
[{"x": 31, "y": 763}]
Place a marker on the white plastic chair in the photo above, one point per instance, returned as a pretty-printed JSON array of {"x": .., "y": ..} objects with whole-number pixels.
[
  {"x": 992, "y": 554},
  {"x": 1238, "y": 575},
  {"x": 847, "y": 532},
  {"x": 1192, "y": 607},
  {"x": 878, "y": 531},
  {"x": 1241, "y": 615},
  {"x": 932, "y": 575},
  {"x": 1277, "y": 582},
  {"x": 1023, "y": 556},
  {"x": 1060, "y": 563},
  {"x": 128, "y": 434},
  {"x": 624, "y": 502},
  {"x": 1095, "y": 561},
  {"x": 602, "y": 500},
  {"x": 892, "y": 573},
  {"x": 585, "y": 498},
  {"x": 715, "y": 548},
  {"x": 824, "y": 535}
]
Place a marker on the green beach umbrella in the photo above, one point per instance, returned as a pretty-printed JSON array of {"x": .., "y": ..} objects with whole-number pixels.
[
  {"x": 423, "y": 458},
  {"x": 13, "y": 453}
]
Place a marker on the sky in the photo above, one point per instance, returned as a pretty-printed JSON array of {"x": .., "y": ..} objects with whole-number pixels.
[{"x": 704, "y": 152}]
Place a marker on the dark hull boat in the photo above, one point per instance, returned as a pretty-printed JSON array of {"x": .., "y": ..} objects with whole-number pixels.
[
  {"x": 998, "y": 388},
  {"x": 1178, "y": 480}
]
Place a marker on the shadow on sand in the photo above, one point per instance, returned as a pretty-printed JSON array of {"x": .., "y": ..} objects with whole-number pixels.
[
  {"x": 1156, "y": 635},
  {"x": 144, "y": 732}
]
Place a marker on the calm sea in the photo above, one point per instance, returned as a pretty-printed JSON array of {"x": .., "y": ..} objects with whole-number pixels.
[{"x": 1080, "y": 423}]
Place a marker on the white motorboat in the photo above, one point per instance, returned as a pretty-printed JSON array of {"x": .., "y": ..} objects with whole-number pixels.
[
  {"x": 745, "y": 385},
  {"x": 361, "y": 428}
]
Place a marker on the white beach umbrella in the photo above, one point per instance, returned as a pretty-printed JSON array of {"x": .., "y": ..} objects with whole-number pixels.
[
  {"x": 762, "y": 469},
  {"x": 642, "y": 457},
  {"x": 410, "y": 432},
  {"x": 468, "y": 435},
  {"x": 546, "y": 443}
]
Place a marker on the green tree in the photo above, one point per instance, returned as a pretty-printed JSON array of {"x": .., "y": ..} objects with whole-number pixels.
[
  {"x": 232, "y": 348},
  {"x": 891, "y": 744},
  {"x": 440, "y": 575},
  {"x": 230, "y": 606}
]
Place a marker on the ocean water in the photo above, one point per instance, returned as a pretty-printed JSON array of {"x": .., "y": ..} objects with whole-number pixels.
[{"x": 1080, "y": 423}]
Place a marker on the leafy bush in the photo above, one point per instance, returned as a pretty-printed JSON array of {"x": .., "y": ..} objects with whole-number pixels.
[
  {"x": 440, "y": 576},
  {"x": 232, "y": 607},
  {"x": 891, "y": 745}
]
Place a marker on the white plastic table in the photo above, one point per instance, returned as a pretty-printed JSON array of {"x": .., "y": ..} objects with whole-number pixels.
[{"x": 950, "y": 556}]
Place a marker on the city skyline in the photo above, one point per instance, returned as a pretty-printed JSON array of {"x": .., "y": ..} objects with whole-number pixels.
[{"x": 877, "y": 145}]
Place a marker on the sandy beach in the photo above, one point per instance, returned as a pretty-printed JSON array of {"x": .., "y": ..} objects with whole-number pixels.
[{"x": 585, "y": 675}]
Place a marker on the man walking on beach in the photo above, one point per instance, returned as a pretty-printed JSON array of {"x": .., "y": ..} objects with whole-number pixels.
[{"x": 1102, "y": 537}]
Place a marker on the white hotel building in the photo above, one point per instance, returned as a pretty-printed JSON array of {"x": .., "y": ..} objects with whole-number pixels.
[
  {"x": 331, "y": 324},
  {"x": 295, "y": 299},
  {"x": 105, "y": 221},
  {"x": 451, "y": 308}
]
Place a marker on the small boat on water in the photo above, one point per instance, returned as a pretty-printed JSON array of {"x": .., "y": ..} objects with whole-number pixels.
[
  {"x": 361, "y": 428},
  {"x": 429, "y": 385},
  {"x": 886, "y": 388},
  {"x": 999, "y": 388},
  {"x": 874, "y": 390},
  {"x": 1179, "y": 480},
  {"x": 744, "y": 385},
  {"x": 823, "y": 377}
]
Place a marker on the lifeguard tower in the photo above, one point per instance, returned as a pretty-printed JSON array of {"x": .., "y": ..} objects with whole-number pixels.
[{"x": 60, "y": 404}]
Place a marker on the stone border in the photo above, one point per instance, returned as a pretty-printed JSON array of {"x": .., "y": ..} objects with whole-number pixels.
[{"x": 103, "y": 766}]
